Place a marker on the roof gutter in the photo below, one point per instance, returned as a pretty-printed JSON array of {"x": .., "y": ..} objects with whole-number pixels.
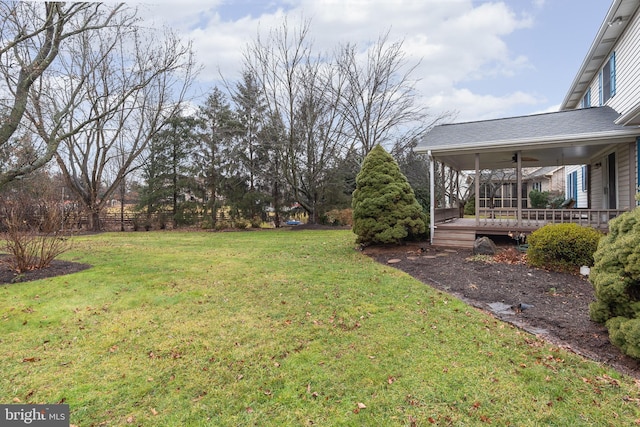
[
  {"x": 594, "y": 45},
  {"x": 588, "y": 139}
]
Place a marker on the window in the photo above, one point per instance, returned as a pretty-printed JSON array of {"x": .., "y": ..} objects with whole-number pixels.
[
  {"x": 607, "y": 79},
  {"x": 586, "y": 100}
]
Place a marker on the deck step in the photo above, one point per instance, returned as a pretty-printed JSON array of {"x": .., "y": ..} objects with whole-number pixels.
[{"x": 454, "y": 238}]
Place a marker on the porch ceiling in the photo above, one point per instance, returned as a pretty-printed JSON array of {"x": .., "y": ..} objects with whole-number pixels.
[{"x": 553, "y": 139}]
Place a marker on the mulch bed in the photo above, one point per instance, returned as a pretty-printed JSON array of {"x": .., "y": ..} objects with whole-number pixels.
[
  {"x": 551, "y": 305},
  {"x": 57, "y": 268}
]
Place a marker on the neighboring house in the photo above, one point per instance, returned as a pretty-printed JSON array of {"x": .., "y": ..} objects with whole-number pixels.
[{"x": 595, "y": 137}]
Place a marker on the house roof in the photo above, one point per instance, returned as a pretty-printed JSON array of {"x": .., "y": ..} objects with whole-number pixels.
[
  {"x": 539, "y": 172},
  {"x": 614, "y": 25},
  {"x": 550, "y": 139}
]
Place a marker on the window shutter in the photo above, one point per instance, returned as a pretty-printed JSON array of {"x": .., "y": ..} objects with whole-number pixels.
[
  {"x": 612, "y": 61},
  {"x": 601, "y": 94}
]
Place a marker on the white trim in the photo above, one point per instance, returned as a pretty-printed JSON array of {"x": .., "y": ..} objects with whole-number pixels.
[
  {"x": 587, "y": 139},
  {"x": 630, "y": 118}
]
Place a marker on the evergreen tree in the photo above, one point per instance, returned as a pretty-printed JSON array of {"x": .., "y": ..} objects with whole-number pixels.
[
  {"x": 168, "y": 171},
  {"x": 385, "y": 209},
  {"x": 215, "y": 159}
]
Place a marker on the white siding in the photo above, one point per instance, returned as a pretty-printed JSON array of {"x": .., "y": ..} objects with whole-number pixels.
[
  {"x": 597, "y": 195},
  {"x": 625, "y": 177},
  {"x": 627, "y": 69},
  {"x": 624, "y": 170}
]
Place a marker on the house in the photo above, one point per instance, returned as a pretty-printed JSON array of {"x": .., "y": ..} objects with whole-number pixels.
[{"x": 594, "y": 138}]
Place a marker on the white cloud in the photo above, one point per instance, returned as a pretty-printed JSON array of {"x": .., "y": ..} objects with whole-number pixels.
[{"x": 455, "y": 41}]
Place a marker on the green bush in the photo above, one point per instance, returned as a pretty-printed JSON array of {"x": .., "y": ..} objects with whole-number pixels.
[
  {"x": 470, "y": 207},
  {"x": 562, "y": 247},
  {"x": 616, "y": 279},
  {"x": 539, "y": 199},
  {"x": 385, "y": 209}
]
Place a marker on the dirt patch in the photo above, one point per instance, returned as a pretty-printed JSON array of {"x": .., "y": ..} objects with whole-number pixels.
[
  {"x": 554, "y": 306},
  {"x": 57, "y": 268}
]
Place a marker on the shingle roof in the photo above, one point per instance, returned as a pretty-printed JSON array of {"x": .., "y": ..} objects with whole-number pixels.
[{"x": 534, "y": 127}]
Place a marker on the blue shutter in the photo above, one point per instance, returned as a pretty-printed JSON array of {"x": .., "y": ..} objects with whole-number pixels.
[
  {"x": 600, "y": 86},
  {"x": 612, "y": 67},
  {"x": 573, "y": 186},
  {"x": 584, "y": 178}
]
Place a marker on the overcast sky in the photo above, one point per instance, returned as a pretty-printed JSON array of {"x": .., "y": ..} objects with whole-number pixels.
[{"x": 482, "y": 59}]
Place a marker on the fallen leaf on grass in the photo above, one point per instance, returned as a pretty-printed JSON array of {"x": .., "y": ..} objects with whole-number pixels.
[
  {"x": 154, "y": 412},
  {"x": 30, "y": 359}
]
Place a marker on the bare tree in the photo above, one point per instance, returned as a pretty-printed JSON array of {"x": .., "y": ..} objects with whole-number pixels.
[
  {"x": 302, "y": 91},
  {"x": 136, "y": 79},
  {"x": 32, "y": 36},
  {"x": 379, "y": 100},
  {"x": 277, "y": 64}
]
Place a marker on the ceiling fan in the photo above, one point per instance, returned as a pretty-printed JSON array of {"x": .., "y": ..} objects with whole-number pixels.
[{"x": 514, "y": 159}]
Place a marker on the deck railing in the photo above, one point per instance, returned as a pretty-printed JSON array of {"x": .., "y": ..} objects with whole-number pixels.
[
  {"x": 446, "y": 214},
  {"x": 535, "y": 218}
]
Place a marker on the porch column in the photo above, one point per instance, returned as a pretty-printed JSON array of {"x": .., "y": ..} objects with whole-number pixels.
[
  {"x": 432, "y": 192},
  {"x": 477, "y": 184},
  {"x": 519, "y": 187}
]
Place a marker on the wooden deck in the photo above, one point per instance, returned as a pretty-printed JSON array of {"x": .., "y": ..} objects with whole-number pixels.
[{"x": 462, "y": 232}]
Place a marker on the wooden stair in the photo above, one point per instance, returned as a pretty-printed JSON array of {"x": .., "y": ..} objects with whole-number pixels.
[{"x": 454, "y": 238}]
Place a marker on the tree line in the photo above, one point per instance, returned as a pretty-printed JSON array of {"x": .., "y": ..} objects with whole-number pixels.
[{"x": 86, "y": 86}]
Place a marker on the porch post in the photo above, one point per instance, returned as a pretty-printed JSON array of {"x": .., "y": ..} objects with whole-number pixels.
[
  {"x": 432, "y": 192},
  {"x": 519, "y": 187},
  {"x": 477, "y": 184}
]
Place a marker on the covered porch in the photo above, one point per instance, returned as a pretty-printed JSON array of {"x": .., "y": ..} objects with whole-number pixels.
[{"x": 587, "y": 137}]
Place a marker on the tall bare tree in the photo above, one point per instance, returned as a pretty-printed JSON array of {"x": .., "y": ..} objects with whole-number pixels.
[
  {"x": 277, "y": 63},
  {"x": 33, "y": 35},
  {"x": 379, "y": 101},
  {"x": 302, "y": 90},
  {"x": 136, "y": 80}
]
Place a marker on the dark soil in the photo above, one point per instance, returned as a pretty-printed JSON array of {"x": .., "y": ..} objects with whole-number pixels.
[
  {"x": 57, "y": 268},
  {"x": 551, "y": 305}
]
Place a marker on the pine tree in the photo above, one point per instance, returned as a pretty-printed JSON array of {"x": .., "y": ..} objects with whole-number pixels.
[{"x": 385, "y": 209}]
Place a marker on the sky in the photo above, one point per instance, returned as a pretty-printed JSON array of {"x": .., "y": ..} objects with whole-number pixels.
[{"x": 479, "y": 59}]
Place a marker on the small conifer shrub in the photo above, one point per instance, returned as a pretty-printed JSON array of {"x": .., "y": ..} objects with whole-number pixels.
[
  {"x": 385, "y": 209},
  {"x": 616, "y": 279}
]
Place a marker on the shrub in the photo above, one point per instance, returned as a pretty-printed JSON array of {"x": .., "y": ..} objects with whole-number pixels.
[
  {"x": 470, "y": 207},
  {"x": 539, "y": 199},
  {"x": 616, "y": 279},
  {"x": 339, "y": 217},
  {"x": 385, "y": 209},
  {"x": 32, "y": 234},
  {"x": 562, "y": 247}
]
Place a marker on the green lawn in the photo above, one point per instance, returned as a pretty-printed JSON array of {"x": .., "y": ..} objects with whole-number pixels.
[{"x": 280, "y": 328}]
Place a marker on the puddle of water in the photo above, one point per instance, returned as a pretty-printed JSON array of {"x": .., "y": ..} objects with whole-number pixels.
[{"x": 500, "y": 308}]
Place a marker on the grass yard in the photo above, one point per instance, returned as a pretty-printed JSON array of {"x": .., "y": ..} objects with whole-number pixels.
[{"x": 280, "y": 328}]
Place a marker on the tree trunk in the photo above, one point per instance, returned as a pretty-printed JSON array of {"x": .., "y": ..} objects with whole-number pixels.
[{"x": 94, "y": 221}]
